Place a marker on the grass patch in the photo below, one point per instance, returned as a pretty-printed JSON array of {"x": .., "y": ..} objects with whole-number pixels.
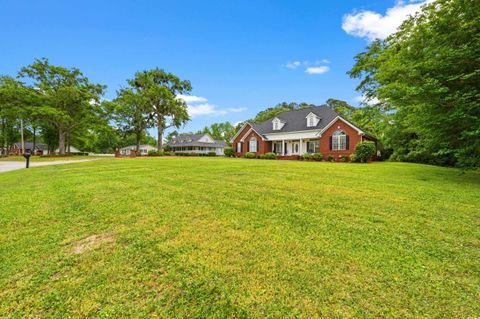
[{"x": 213, "y": 237}]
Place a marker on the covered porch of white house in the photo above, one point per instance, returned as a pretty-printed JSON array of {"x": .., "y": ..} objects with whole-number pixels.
[{"x": 295, "y": 147}]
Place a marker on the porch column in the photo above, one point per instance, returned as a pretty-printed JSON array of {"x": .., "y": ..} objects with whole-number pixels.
[
  {"x": 300, "y": 149},
  {"x": 283, "y": 147}
]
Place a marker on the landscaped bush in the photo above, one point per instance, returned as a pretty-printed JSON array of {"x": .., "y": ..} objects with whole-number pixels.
[
  {"x": 228, "y": 151},
  {"x": 211, "y": 154},
  {"x": 261, "y": 156},
  {"x": 343, "y": 158},
  {"x": 317, "y": 157},
  {"x": 330, "y": 158},
  {"x": 306, "y": 157},
  {"x": 365, "y": 150},
  {"x": 153, "y": 153},
  {"x": 270, "y": 155},
  {"x": 167, "y": 153},
  {"x": 249, "y": 155},
  {"x": 354, "y": 158}
]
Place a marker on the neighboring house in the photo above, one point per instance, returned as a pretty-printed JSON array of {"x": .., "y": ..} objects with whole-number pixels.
[
  {"x": 143, "y": 149},
  {"x": 40, "y": 148},
  {"x": 73, "y": 150},
  {"x": 196, "y": 143},
  {"x": 291, "y": 134}
]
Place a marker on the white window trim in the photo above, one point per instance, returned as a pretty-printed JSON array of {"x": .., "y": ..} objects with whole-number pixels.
[
  {"x": 339, "y": 141},
  {"x": 250, "y": 149},
  {"x": 239, "y": 147}
]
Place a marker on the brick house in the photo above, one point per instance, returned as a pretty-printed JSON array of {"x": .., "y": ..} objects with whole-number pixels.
[
  {"x": 39, "y": 149},
  {"x": 293, "y": 133}
]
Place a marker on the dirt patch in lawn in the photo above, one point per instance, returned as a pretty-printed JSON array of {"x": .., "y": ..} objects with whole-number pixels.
[{"x": 92, "y": 242}]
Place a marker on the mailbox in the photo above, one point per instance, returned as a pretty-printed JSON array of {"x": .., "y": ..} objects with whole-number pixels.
[{"x": 27, "y": 157}]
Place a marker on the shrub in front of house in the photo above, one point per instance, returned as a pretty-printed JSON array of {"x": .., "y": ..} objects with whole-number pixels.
[
  {"x": 365, "y": 150},
  {"x": 306, "y": 157},
  {"x": 261, "y": 156},
  {"x": 343, "y": 158},
  {"x": 270, "y": 155},
  {"x": 249, "y": 155},
  {"x": 354, "y": 158},
  {"x": 228, "y": 152},
  {"x": 330, "y": 158},
  {"x": 211, "y": 154},
  {"x": 317, "y": 157},
  {"x": 153, "y": 153},
  {"x": 167, "y": 153}
]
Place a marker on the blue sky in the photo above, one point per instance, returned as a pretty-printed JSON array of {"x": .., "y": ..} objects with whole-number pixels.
[{"x": 241, "y": 56}]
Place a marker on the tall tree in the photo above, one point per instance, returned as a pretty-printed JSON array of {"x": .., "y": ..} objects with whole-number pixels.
[
  {"x": 157, "y": 91},
  {"x": 131, "y": 115},
  {"x": 428, "y": 74},
  {"x": 65, "y": 97}
]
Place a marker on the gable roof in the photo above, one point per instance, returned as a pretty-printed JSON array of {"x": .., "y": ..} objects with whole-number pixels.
[
  {"x": 295, "y": 120},
  {"x": 194, "y": 140}
]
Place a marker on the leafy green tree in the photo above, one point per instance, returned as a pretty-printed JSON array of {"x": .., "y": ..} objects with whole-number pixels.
[
  {"x": 220, "y": 131},
  {"x": 64, "y": 97},
  {"x": 130, "y": 114},
  {"x": 157, "y": 92},
  {"x": 427, "y": 75}
]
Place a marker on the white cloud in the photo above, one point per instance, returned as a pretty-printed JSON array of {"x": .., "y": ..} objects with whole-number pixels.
[
  {"x": 365, "y": 100},
  {"x": 317, "y": 69},
  {"x": 198, "y": 106},
  {"x": 191, "y": 98},
  {"x": 372, "y": 25},
  {"x": 293, "y": 65}
]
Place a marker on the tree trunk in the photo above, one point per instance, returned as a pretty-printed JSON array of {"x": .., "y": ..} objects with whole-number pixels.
[
  {"x": 61, "y": 140},
  {"x": 160, "y": 129},
  {"x": 138, "y": 136},
  {"x": 67, "y": 144}
]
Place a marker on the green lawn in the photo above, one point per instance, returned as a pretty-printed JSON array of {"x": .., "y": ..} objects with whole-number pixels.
[
  {"x": 213, "y": 237},
  {"x": 48, "y": 159}
]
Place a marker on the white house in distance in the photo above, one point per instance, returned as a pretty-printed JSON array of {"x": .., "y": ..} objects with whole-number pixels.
[
  {"x": 197, "y": 143},
  {"x": 143, "y": 149}
]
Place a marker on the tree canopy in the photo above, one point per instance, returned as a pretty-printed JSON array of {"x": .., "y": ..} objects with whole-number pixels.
[{"x": 427, "y": 75}]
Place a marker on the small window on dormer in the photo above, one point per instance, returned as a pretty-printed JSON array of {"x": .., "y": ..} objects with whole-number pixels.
[
  {"x": 311, "y": 120},
  {"x": 276, "y": 125}
]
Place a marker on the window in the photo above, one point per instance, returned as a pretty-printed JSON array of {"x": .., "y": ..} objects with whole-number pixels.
[
  {"x": 239, "y": 147},
  {"x": 339, "y": 141},
  {"x": 313, "y": 147},
  {"x": 312, "y": 120},
  {"x": 277, "y": 148},
  {"x": 253, "y": 145}
]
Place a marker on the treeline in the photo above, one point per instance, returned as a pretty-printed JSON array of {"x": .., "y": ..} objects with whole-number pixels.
[{"x": 60, "y": 107}]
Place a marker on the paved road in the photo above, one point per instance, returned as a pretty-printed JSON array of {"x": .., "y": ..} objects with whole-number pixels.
[{"x": 6, "y": 166}]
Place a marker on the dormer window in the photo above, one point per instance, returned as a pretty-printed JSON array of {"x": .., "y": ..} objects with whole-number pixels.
[
  {"x": 312, "y": 120},
  {"x": 277, "y": 124}
]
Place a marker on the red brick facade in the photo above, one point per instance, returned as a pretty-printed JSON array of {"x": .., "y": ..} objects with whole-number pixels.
[
  {"x": 262, "y": 145},
  {"x": 353, "y": 138}
]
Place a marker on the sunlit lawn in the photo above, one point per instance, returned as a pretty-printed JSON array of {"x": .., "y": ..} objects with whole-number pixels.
[{"x": 212, "y": 237}]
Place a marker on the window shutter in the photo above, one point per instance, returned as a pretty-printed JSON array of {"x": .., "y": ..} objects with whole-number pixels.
[
  {"x": 330, "y": 143},
  {"x": 248, "y": 146},
  {"x": 257, "y": 145},
  {"x": 347, "y": 142}
]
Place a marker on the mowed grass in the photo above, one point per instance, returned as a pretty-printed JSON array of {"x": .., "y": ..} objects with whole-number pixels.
[{"x": 213, "y": 237}]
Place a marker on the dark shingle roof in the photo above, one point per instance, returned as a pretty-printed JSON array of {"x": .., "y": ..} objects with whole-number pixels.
[
  {"x": 296, "y": 120},
  {"x": 29, "y": 145}
]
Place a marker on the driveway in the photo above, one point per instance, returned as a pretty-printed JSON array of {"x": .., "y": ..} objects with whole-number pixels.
[{"x": 10, "y": 166}]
